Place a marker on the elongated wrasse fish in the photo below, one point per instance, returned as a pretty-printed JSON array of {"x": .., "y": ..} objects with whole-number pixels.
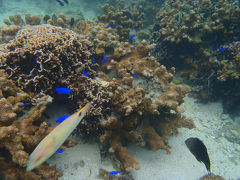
[{"x": 49, "y": 145}]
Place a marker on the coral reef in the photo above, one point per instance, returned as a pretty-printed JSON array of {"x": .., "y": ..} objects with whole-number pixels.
[
  {"x": 16, "y": 22},
  {"x": 227, "y": 65},
  {"x": 122, "y": 18},
  {"x": 141, "y": 89},
  {"x": 8, "y": 33},
  {"x": 191, "y": 22},
  {"x": 56, "y": 20},
  {"x": 132, "y": 94},
  {"x": 43, "y": 57},
  {"x": 18, "y": 134},
  {"x": 187, "y": 28},
  {"x": 198, "y": 38},
  {"x": 40, "y": 54}
]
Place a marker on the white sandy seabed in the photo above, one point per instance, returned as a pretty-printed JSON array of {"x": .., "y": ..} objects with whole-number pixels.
[{"x": 179, "y": 165}]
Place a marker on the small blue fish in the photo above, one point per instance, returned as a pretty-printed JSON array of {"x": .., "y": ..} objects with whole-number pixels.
[
  {"x": 93, "y": 60},
  {"x": 222, "y": 49},
  {"x": 85, "y": 73},
  {"x": 104, "y": 60},
  {"x": 113, "y": 173},
  {"x": 61, "y": 119},
  {"x": 23, "y": 104},
  {"x": 59, "y": 151},
  {"x": 132, "y": 28},
  {"x": 134, "y": 75},
  {"x": 116, "y": 24},
  {"x": 132, "y": 36},
  {"x": 109, "y": 26},
  {"x": 63, "y": 90},
  {"x": 156, "y": 48}
]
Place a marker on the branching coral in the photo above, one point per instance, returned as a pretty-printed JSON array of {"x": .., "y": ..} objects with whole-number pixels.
[
  {"x": 198, "y": 35},
  {"x": 57, "y": 20},
  {"x": 187, "y": 27},
  {"x": 125, "y": 89},
  {"x": 7, "y": 33},
  {"x": 122, "y": 19},
  {"x": 190, "y": 21},
  {"x": 18, "y": 136},
  {"x": 134, "y": 98},
  {"x": 228, "y": 64},
  {"x": 41, "y": 57}
]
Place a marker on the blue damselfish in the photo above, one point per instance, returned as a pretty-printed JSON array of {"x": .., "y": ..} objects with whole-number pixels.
[
  {"x": 59, "y": 151},
  {"x": 132, "y": 36},
  {"x": 61, "y": 119},
  {"x": 63, "y": 90},
  {"x": 113, "y": 173},
  {"x": 85, "y": 73},
  {"x": 104, "y": 60}
]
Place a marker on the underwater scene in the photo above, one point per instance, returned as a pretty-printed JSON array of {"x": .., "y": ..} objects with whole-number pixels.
[{"x": 119, "y": 90}]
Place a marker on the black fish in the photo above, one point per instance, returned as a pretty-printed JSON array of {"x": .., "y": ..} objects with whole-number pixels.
[
  {"x": 72, "y": 21},
  {"x": 60, "y": 2},
  {"x": 199, "y": 150},
  {"x": 66, "y": 1}
]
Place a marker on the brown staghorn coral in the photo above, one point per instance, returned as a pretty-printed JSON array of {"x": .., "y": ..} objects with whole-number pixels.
[
  {"x": 227, "y": 65},
  {"x": 199, "y": 39},
  {"x": 56, "y": 57},
  {"x": 149, "y": 93},
  {"x": 224, "y": 79},
  {"x": 190, "y": 21},
  {"x": 130, "y": 84},
  {"x": 18, "y": 135},
  {"x": 56, "y": 20},
  {"x": 11, "y": 171},
  {"x": 122, "y": 20},
  {"x": 186, "y": 28},
  {"x": 7, "y": 33},
  {"x": 16, "y": 22}
]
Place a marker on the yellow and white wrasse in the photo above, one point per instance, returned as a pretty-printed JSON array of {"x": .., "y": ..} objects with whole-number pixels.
[{"x": 49, "y": 145}]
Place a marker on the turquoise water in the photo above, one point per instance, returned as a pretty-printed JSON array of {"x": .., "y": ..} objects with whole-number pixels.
[
  {"x": 156, "y": 73},
  {"x": 9, "y": 8}
]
